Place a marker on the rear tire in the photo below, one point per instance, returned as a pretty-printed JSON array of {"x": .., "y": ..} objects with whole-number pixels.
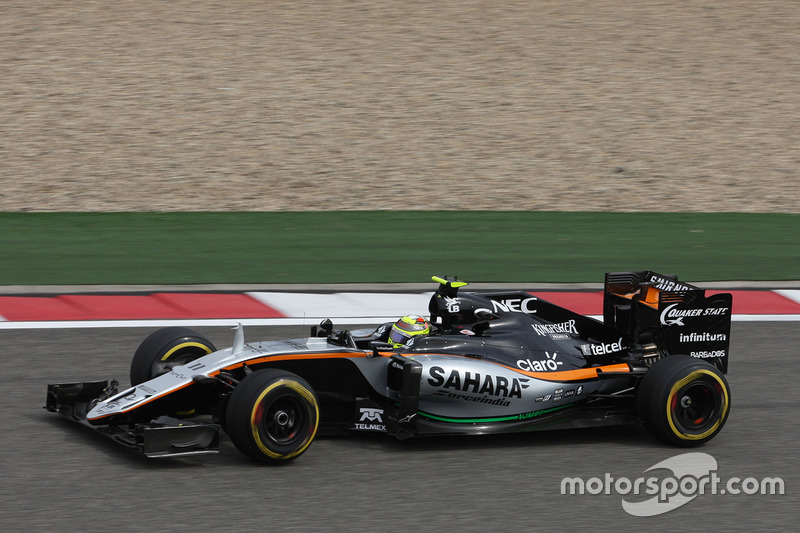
[
  {"x": 272, "y": 416},
  {"x": 167, "y": 346},
  {"x": 683, "y": 400}
]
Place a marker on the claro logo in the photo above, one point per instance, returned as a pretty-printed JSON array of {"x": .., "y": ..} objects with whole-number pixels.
[{"x": 549, "y": 363}]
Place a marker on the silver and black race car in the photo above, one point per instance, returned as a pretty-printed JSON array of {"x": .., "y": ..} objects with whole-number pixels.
[{"x": 492, "y": 362}]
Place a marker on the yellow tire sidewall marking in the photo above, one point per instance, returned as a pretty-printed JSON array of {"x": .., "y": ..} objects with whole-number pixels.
[
  {"x": 302, "y": 391},
  {"x": 679, "y": 385},
  {"x": 183, "y": 345}
]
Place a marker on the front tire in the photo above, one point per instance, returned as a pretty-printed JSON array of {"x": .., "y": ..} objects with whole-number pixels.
[
  {"x": 167, "y": 346},
  {"x": 272, "y": 416},
  {"x": 683, "y": 400}
]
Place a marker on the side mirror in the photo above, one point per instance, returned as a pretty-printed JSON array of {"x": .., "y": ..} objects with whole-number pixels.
[
  {"x": 378, "y": 346},
  {"x": 485, "y": 314},
  {"x": 203, "y": 379}
]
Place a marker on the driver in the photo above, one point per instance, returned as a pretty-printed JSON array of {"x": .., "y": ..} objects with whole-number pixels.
[{"x": 406, "y": 328}]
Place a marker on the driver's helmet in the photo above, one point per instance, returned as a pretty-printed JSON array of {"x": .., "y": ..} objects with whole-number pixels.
[{"x": 406, "y": 328}]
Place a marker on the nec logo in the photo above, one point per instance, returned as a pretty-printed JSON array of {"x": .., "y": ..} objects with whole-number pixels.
[
  {"x": 372, "y": 414},
  {"x": 512, "y": 305}
]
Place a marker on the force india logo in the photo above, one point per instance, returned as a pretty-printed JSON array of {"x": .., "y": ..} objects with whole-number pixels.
[{"x": 477, "y": 383}]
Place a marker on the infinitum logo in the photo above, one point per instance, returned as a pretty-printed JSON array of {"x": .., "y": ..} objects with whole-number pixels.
[{"x": 693, "y": 474}]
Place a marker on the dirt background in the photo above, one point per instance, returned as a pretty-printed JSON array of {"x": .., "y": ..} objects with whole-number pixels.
[{"x": 264, "y": 105}]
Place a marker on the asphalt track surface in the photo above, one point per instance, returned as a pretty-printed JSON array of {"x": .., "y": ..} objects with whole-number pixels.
[{"x": 58, "y": 476}]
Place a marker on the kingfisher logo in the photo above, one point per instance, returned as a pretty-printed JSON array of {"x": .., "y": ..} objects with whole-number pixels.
[{"x": 563, "y": 328}]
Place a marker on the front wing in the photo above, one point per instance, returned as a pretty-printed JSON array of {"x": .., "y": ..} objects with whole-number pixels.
[{"x": 162, "y": 437}]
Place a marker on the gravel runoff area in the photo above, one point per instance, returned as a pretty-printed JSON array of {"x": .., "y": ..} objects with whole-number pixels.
[{"x": 294, "y": 105}]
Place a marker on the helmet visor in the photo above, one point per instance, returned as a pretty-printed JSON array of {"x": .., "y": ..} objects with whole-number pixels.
[{"x": 398, "y": 337}]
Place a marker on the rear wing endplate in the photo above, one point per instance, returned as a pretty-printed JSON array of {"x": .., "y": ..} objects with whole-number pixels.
[{"x": 676, "y": 316}]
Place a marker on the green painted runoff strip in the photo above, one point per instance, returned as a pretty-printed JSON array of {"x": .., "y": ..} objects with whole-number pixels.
[{"x": 391, "y": 246}]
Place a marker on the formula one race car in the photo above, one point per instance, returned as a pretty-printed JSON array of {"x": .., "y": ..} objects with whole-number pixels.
[{"x": 490, "y": 363}]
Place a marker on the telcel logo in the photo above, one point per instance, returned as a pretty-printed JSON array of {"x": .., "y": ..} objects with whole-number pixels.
[{"x": 602, "y": 348}]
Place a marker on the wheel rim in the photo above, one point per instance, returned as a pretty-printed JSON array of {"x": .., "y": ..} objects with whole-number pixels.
[
  {"x": 283, "y": 422},
  {"x": 697, "y": 406}
]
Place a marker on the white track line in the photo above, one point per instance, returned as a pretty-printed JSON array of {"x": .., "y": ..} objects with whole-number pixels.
[
  {"x": 345, "y": 304},
  {"x": 221, "y": 322},
  {"x": 292, "y": 321},
  {"x": 793, "y": 295}
]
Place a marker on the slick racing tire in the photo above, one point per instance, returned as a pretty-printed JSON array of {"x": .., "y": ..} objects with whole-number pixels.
[
  {"x": 167, "y": 346},
  {"x": 272, "y": 416},
  {"x": 683, "y": 400}
]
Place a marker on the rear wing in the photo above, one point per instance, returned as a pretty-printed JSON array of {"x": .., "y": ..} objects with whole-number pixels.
[{"x": 675, "y": 317}]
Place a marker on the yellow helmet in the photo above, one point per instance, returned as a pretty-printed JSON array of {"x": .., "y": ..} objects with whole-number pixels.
[{"x": 406, "y": 328}]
